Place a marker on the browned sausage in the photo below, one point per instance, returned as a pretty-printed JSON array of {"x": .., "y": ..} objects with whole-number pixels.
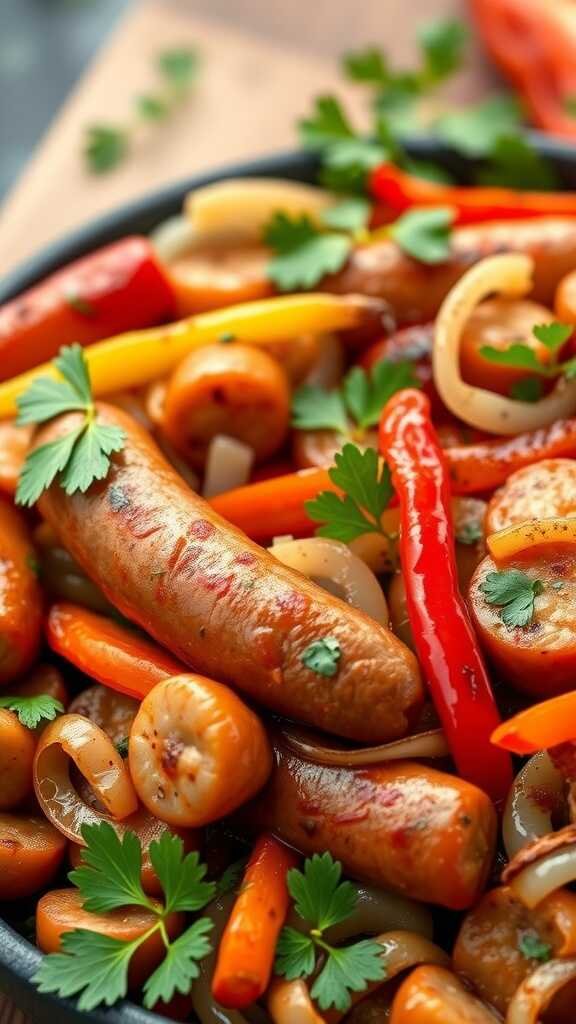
[
  {"x": 416, "y": 290},
  {"x": 20, "y": 603},
  {"x": 540, "y": 657},
  {"x": 221, "y": 603},
  {"x": 402, "y": 826},
  {"x": 493, "y": 933},
  {"x": 547, "y": 488}
]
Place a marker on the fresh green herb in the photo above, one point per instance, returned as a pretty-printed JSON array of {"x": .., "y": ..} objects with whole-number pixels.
[
  {"x": 32, "y": 710},
  {"x": 122, "y": 746},
  {"x": 352, "y": 214},
  {"x": 367, "y": 493},
  {"x": 425, "y": 234},
  {"x": 474, "y": 131},
  {"x": 323, "y": 900},
  {"x": 230, "y": 879},
  {"x": 369, "y": 66},
  {"x": 515, "y": 163},
  {"x": 522, "y": 357},
  {"x": 95, "y": 967},
  {"x": 532, "y": 947},
  {"x": 322, "y": 656},
  {"x": 514, "y": 592},
  {"x": 470, "y": 532},
  {"x": 529, "y": 389},
  {"x": 78, "y": 457},
  {"x": 226, "y": 338},
  {"x": 78, "y": 303},
  {"x": 362, "y": 397},
  {"x": 107, "y": 145},
  {"x": 303, "y": 253},
  {"x": 328, "y": 124},
  {"x": 442, "y": 44}
]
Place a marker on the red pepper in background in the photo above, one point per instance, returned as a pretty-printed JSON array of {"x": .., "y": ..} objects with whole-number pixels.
[
  {"x": 118, "y": 288},
  {"x": 471, "y": 204},
  {"x": 534, "y": 44},
  {"x": 446, "y": 646}
]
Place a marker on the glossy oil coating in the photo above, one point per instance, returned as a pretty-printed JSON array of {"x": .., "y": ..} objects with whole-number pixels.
[
  {"x": 20, "y": 600},
  {"x": 224, "y": 605}
]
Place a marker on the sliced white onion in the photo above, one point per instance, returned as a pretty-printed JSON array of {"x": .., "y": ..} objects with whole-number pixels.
[
  {"x": 423, "y": 744},
  {"x": 282, "y": 538},
  {"x": 508, "y": 274},
  {"x": 228, "y": 465},
  {"x": 289, "y": 1002},
  {"x": 377, "y": 911},
  {"x": 172, "y": 238},
  {"x": 535, "y": 993},
  {"x": 528, "y": 814},
  {"x": 241, "y": 207},
  {"x": 538, "y": 880},
  {"x": 329, "y": 367},
  {"x": 330, "y": 562}
]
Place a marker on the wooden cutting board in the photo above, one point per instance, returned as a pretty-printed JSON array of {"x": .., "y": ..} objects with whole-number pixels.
[{"x": 263, "y": 62}]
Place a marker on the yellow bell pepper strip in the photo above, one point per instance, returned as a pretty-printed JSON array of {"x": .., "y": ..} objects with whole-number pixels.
[
  {"x": 513, "y": 539},
  {"x": 139, "y": 357},
  {"x": 540, "y": 727}
]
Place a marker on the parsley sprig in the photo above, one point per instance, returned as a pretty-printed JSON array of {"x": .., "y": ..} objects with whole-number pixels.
[
  {"x": 322, "y": 656},
  {"x": 94, "y": 967},
  {"x": 106, "y": 145},
  {"x": 367, "y": 492},
  {"x": 78, "y": 457},
  {"x": 321, "y": 899},
  {"x": 33, "y": 710},
  {"x": 533, "y": 948},
  {"x": 522, "y": 357},
  {"x": 357, "y": 405},
  {"x": 514, "y": 592}
]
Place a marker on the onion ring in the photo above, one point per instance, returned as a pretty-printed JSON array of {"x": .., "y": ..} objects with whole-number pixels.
[
  {"x": 536, "y": 992},
  {"x": 92, "y": 751},
  {"x": 510, "y": 275},
  {"x": 289, "y": 1002},
  {"x": 228, "y": 465},
  {"x": 431, "y": 743},
  {"x": 551, "y": 872},
  {"x": 240, "y": 208},
  {"x": 321, "y": 559},
  {"x": 538, "y": 788}
]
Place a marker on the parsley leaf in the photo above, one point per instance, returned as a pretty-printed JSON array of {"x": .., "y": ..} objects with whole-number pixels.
[
  {"x": 529, "y": 389},
  {"x": 515, "y": 163},
  {"x": 303, "y": 254},
  {"x": 352, "y": 214},
  {"x": 32, "y": 710},
  {"x": 180, "y": 965},
  {"x": 316, "y": 409},
  {"x": 122, "y": 746},
  {"x": 95, "y": 966},
  {"x": 182, "y": 877},
  {"x": 322, "y": 656},
  {"x": 442, "y": 43},
  {"x": 553, "y": 335},
  {"x": 367, "y": 490},
  {"x": 105, "y": 147},
  {"x": 517, "y": 355},
  {"x": 179, "y": 66},
  {"x": 521, "y": 356},
  {"x": 532, "y": 947},
  {"x": 514, "y": 592},
  {"x": 363, "y": 395},
  {"x": 474, "y": 131},
  {"x": 369, "y": 65},
  {"x": 82, "y": 455},
  {"x": 323, "y": 900},
  {"x": 327, "y": 123},
  {"x": 425, "y": 234}
]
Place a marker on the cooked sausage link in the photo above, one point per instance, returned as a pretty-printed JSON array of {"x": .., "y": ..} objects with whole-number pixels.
[
  {"x": 224, "y": 605},
  {"x": 21, "y": 604},
  {"x": 402, "y": 826},
  {"x": 541, "y": 491},
  {"x": 539, "y": 658},
  {"x": 415, "y": 290}
]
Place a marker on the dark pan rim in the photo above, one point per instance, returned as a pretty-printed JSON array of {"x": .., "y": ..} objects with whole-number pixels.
[{"x": 19, "y": 959}]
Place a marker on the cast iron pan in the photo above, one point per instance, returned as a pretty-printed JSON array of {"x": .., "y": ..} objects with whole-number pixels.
[{"x": 19, "y": 959}]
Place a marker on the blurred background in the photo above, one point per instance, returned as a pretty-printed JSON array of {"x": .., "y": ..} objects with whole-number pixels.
[{"x": 66, "y": 65}]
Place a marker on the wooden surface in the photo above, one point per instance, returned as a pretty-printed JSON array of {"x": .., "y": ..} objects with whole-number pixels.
[{"x": 263, "y": 64}]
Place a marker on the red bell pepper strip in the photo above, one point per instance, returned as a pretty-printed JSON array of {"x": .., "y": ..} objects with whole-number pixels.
[
  {"x": 540, "y": 727},
  {"x": 447, "y": 648},
  {"x": 472, "y": 205},
  {"x": 120, "y": 287},
  {"x": 534, "y": 44}
]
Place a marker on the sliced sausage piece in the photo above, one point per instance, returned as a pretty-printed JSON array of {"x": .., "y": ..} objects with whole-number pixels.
[
  {"x": 433, "y": 995},
  {"x": 402, "y": 826},
  {"x": 21, "y": 602},
  {"x": 541, "y": 491},
  {"x": 31, "y": 851},
  {"x": 500, "y": 929},
  {"x": 224, "y": 605},
  {"x": 416, "y": 290},
  {"x": 539, "y": 658},
  {"x": 17, "y": 748}
]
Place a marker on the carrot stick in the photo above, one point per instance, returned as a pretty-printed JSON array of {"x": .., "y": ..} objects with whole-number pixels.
[
  {"x": 113, "y": 654},
  {"x": 540, "y": 727},
  {"x": 246, "y": 953},
  {"x": 273, "y": 507}
]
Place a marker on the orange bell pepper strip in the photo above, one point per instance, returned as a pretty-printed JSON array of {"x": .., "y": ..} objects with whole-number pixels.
[
  {"x": 472, "y": 205},
  {"x": 115, "y": 655},
  {"x": 246, "y": 953},
  {"x": 540, "y": 727}
]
